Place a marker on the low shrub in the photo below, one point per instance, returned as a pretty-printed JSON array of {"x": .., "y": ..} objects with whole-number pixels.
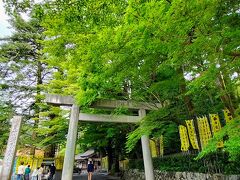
[{"x": 213, "y": 163}]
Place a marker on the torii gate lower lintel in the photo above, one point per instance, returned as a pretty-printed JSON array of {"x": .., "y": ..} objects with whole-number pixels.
[{"x": 110, "y": 104}]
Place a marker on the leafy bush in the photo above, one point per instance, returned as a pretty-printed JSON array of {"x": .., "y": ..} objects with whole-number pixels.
[
  {"x": 230, "y": 133},
  {"x": 213, "y": 163}
]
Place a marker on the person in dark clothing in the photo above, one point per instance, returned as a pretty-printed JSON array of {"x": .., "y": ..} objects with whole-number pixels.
[
  {"x": 90, "y": 169},
  {"x": 52, "y": 172}
]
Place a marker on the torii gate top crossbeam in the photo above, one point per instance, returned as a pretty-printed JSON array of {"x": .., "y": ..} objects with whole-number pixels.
[
  {"x": 59, "y": 100},
  {"x": 68, "y": 100},
  {"x": 108, "y": 118}
]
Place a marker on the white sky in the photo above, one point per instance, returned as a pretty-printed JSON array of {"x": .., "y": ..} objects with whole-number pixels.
[
  {"x": 4, "y": 25},
  {"x": 5, "y": 29}
]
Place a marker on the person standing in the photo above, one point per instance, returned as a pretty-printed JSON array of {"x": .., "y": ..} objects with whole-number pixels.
[
  {"x": 35, "y": 174},
  {"x": 90, "y": 169},
  {"x": 52, "y": 172},
  {"x": 80, "y": 168},
  {"x": 40, "y": 172},
  {"x": 27, "y": 173},
  {"x": 20, "y": 172}
]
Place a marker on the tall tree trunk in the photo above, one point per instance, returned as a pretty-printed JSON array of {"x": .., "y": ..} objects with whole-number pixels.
[
  {"x": 116, "y": 160},
  {"x": 49, "y": 152},
  {"x": 37, "y": 101},
  {"x": 110, "y": 155},
  {"x": 117, "y": 151},
  {"x": 226, "y": 97},
  {"x": 183, "y": 89}
]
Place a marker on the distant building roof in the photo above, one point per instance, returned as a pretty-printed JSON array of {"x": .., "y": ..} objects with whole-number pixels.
[{"x": 89, "y": 153}]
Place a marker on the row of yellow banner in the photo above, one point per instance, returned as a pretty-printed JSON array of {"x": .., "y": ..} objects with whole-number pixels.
[
  {"x": 35, "y": 162},
  {"x": 188, "y": 134}
]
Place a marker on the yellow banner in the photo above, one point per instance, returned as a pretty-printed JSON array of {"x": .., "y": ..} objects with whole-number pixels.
[
  {"x": 104, "y": 162},
  {"x": 124, "y": 164},
  {"x": 216, "y": 126},
  {"x": 153, "y": 148},
  {"x": 204, "y": 131},
  {"x": 184, "y": 138},
  {"x": 227, "y": 115},
  {"x": 215, "y": 122},
  {"x": 59, "y": 162},
  {"x": 161, "y": 146},
  {"x": 192, "y": 134}
]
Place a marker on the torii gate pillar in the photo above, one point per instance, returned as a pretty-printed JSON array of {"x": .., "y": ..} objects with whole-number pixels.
[
  {"x": 67, "y": 172},
  {"x": 147, "y": 157}
]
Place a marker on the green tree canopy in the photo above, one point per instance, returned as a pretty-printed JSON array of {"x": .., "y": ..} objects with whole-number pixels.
[{"x": 182, "y": 54}]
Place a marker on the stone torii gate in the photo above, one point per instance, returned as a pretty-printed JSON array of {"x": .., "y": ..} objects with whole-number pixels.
[
  {"x": 72, "y": 131},
  {"x": 110, "y": 104}
]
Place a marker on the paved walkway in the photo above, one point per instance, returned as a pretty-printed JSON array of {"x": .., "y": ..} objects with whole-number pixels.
[{"x": 96, "y": 176}]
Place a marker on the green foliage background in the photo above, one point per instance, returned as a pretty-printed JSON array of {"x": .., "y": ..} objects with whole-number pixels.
[{"x": 183, "y": 55}]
